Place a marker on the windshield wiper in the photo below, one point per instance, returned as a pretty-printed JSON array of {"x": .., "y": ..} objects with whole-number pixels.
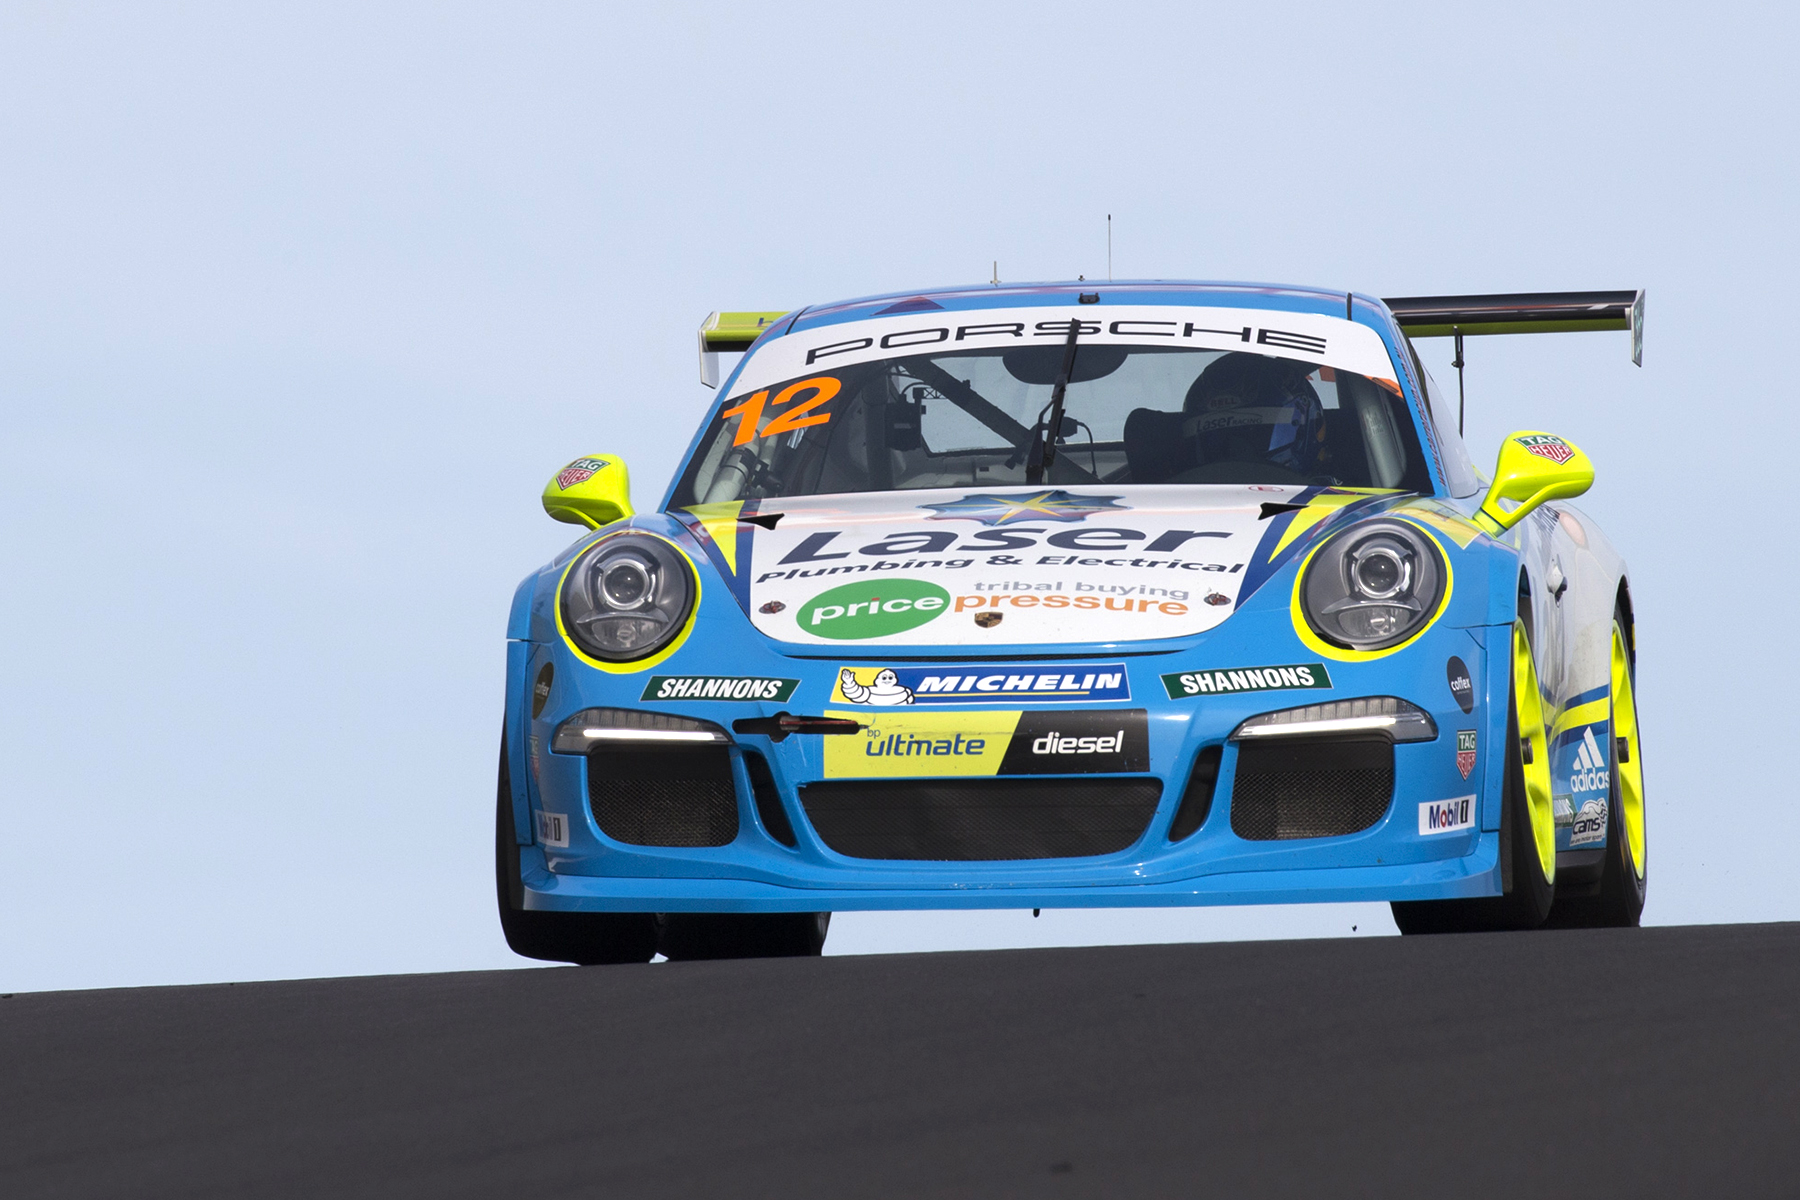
[{"x": 1043, "y": 445}]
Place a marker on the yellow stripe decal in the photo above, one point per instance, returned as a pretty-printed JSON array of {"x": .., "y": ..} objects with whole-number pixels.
[{"x": 721, "y": 524}]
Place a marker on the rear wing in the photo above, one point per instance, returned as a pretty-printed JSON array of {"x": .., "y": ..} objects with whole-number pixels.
[
  {"x": 729, "y": 332},
  {"x": 1523, "y": 312}
]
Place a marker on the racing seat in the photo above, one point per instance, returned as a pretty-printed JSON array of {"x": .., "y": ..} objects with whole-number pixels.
[{"x": 1156, "y": 447}]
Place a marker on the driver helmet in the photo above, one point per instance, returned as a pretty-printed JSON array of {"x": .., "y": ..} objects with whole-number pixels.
[{"x": 1251, "y": 408}]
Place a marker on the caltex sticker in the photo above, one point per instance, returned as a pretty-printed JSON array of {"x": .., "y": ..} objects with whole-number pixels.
[
  {"x": 1465, "y": 751},
  {"x": 1545, "y": 446},
  {"x": 1245, "y": 679},
  {"x": 718, "y": 687},
  {"x": 1446, "y": 816}
]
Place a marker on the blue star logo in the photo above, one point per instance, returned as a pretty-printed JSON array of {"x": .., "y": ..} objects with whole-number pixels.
[{"x": 1027, "y": 506}]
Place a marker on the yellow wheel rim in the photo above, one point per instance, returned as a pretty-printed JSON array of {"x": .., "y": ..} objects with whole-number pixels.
[
  {"x": 1534, "y": 747},
  {"x": 1628, "y": 764}
]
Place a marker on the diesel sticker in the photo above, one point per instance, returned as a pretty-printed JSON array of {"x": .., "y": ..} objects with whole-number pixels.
[
  {"x": 718, "y": 687},
  {"x": 991, "y": 742},
  {"x": 961, "y": 684},
  {"x": 1446, "y": 816},
  {"x": 1245, "y": 679}
]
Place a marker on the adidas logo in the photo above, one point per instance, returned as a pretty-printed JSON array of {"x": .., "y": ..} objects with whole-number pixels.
[{"x": 1590, "y": 774}]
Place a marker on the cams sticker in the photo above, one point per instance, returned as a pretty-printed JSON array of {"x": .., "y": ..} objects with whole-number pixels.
[
  {"x": 991, "y": 742},
  {"x": 1546, "y": 446},
  {"x": 959, "y": 684},
  {"x": 1465, "y": 751},
  {"x": 1589, "y": 826},
  {"x": 872, "y": 608},
  {"x": 1446, "y": 816},
  {"x": 718, "y": 687},
  {"x": 1245, "y": 679},
  {"x": 553, "y": 830}
]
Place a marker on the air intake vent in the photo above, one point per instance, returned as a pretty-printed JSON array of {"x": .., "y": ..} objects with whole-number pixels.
[
  {"x": 980, "y": 819},
  {"x": 768, "y": 798},
  {"x": 664, "y": 797},
  {"x": 1310, "y": 788},
  {"x": 1196, "y": 801}
]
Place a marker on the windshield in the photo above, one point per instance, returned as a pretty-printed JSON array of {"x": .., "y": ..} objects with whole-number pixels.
[{"x": 1154, "y": 414}]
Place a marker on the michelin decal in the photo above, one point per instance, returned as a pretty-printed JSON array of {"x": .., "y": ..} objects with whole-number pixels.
[{"x": 997, "y": 683}]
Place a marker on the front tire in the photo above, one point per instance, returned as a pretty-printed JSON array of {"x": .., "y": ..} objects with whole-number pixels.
[
  {"x": 586, "y": 939},
  {"x": 1624, "y": 879},
  {"x": 1527, "y": 823}
]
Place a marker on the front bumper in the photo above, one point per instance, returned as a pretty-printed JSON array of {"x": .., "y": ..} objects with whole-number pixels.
[{"x": 1390, "y": 860}]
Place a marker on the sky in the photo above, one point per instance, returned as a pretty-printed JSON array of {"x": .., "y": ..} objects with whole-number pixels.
[{"x": 301, "y": 304}]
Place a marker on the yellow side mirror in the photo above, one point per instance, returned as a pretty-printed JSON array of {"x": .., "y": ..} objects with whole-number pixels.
[
  {"x": 1533, "y": 467},
  {"x": 591, "y": 491}
]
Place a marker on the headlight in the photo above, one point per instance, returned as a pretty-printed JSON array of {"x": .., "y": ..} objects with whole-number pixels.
[
  {"x": 627, "y": 597},
  {"x": 1373, "y": 586}
]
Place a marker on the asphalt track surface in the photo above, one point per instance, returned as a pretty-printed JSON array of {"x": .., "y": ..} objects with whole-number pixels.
[{"x": 1624, "y": 1062}]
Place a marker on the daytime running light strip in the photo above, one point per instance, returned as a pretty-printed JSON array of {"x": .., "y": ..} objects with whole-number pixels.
[{"x": 1338, "y": 725}]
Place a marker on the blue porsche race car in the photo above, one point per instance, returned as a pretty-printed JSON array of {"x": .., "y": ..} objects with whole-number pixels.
[{"x": 1075, "y": 595}]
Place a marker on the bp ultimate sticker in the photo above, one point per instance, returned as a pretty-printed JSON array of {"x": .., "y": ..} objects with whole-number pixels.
[
  {"x": 991, "y": 742},
  {"x": 1184, "y": 684},
  {"x": 718, "y": 687},
  {"x": 960, "y": 684}
]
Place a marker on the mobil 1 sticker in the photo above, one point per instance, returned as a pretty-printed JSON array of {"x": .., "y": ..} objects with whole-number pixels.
[
  {"x": 980, "y": 683},
  {"x": 1067, "y": 743}
]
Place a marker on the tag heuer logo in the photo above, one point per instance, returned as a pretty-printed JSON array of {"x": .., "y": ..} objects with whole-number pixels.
[
  {"x": 579, "y": 471},
  {"x": 1465, "y": 751},
  {"x": 1545, "y": 446}
]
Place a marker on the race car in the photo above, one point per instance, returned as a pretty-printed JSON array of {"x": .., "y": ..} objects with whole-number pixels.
[{"x": 1075, "y": 595}]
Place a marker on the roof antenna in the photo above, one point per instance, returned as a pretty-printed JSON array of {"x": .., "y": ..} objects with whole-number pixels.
[
  {"x": 996, "y": 272},
  {"x": 1458, "y": 364},
  {"x": 1109, "y": 247}
]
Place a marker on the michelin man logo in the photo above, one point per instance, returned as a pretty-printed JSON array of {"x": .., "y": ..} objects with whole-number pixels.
[{"x": 886, "y": 690}]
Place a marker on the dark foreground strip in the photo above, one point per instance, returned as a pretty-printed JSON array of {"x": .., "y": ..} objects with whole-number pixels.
[{"x": 1651, "y": 1063}]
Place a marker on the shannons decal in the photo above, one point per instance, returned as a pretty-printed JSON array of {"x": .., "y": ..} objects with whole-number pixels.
[
  {"x": 718, "y": 687},
  {"x": 990, "y": 742},
  {"x": 1185, "y": 684},
  {"x": 961, "y": 684}
]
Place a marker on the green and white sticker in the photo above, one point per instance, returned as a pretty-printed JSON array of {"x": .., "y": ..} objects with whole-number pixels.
[
  {"x": 718, "y": 687},
  {"x": 1187, "y": 684}
]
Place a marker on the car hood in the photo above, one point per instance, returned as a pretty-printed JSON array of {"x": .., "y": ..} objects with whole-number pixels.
[{"x": 1007, "y": 566}]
